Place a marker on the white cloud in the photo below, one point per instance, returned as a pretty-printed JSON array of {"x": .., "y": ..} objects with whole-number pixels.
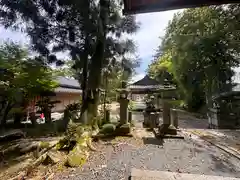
[{"x": 153, "y": 26}]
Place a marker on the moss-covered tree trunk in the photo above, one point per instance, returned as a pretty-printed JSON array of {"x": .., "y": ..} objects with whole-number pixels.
[
  {"x": 84, "y": 108},
  {"x": 85, "y": 59},
  {"x": 98, "y": 57}
]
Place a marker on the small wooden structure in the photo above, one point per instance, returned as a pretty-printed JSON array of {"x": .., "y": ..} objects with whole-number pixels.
[
  {"x": 150, "y": 86},
  {"x": 147, "y": 86}
]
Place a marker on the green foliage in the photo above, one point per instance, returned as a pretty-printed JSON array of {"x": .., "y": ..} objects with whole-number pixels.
[
  {"x": 73, "y": 135},
  {"x": 90, "y": 31},
  {"x": 46, "y": 104},
  {"x": 177, "y": 104},
  {"x": 130, "y": 105},
  {"x": 22, "y": 78},
  {"x": 44, "y": 145},
  {"x": 199, "y": 50},
  {"x": 73, "y": 107},
  {"x": 66, "y": 70},
  {"x": 77, "y": 157},
  {"x": 23, "y": 73},
  {"x": 61, "y": 144},
  {"x": 108, "y": 129},
  {"x": 73, "y": 111},
  {"x": 75, "y": 130},
  {"x": 72, "y": 27},
  {"x": 162, "y": 69}
]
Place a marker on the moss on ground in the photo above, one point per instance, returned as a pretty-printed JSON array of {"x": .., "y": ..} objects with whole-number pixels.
[
  {"x": 77, "y": 157},
  {"x": 44, "y": 145}
]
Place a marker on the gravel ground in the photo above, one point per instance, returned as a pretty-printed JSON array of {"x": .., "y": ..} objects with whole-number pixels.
[{"x": 192, "y": 155}]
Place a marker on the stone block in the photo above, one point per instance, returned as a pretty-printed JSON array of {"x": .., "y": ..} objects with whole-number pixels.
[
  {"x": 123, "y": 129},
  {"x": 167, "y": 129},
  {"x": 154, "y": 120}
]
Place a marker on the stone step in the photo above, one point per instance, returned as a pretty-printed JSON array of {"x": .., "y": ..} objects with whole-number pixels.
[{"x": 138, "y": 174}]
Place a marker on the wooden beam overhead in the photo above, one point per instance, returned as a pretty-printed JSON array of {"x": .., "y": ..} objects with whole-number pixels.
[{"x": 146, "y": 6}]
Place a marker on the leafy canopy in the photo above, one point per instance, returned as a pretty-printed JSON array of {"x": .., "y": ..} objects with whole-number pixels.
[
  {"x": 23, "y": 74},
  {"x": 203, "y": 44}
]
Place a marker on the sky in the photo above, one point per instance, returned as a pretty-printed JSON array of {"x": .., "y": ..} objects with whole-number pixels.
[{"x": 152, "y": 27}]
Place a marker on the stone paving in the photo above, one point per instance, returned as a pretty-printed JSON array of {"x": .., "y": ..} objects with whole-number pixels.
[{"x": 138, "y": 174}]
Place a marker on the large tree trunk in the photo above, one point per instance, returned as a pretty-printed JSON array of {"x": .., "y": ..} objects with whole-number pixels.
[
  {"x": 84, "y": 108},
  {"x": 98, "y": 57},
  {"x": 84, "y": 57},
  {"x": 18, "y": 118}
]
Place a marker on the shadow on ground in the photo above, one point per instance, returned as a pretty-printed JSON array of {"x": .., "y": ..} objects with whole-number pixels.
[
  {"x": 223, "y": 165},
  {"x": 153, "y": 141}
]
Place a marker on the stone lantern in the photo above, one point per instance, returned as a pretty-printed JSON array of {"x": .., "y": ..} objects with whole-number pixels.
[{"x": 124, "y": 101}]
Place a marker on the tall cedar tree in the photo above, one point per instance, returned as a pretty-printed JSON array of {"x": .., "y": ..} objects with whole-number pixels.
[{"x": 89, "y": 30}]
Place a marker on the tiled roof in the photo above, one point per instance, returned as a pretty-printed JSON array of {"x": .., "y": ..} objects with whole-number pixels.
[
  {"x": 152, "y": 87},
  {"x": 68, "y": 83},
  {"x": 146, "y": 81},
  {"x": 149, "y": 83}
]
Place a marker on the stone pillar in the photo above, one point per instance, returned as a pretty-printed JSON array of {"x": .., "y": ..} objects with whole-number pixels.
[
  {"x": 174, "y": 118},
  {"x": 129, "y": 116},
  {"x": 146, "y": 118},
  {"x": 123, "y": 110},
  {"x": 154, "y": 120},
  {"x": 166, "y": 113}
]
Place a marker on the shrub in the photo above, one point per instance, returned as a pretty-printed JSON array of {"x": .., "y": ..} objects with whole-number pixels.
[
  {"x": 73, "y": 110},
  {"x": 108, "y": 129},
  {"x": 73, "y": 107},
  {"x": 130, "y": 105}
]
